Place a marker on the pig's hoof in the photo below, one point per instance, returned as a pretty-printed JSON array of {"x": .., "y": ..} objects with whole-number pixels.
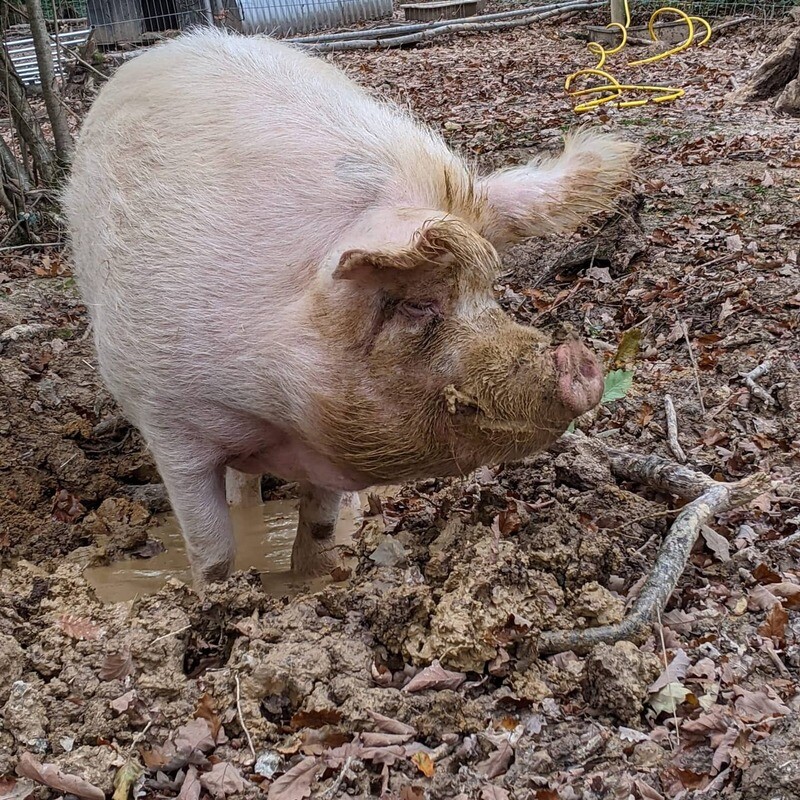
[
  {"x": 579, "y": 379},
  {"x": 315, "y": 559},
  {"x": 214, "y": 573}
]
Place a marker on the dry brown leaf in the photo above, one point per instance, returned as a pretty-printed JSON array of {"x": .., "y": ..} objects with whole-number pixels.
[
  {"x": 498, "y": 762},
  {"x": 122, "y": 703},
  {"x": 50, "y": 775},
  {"x": 314, "y": 741},
  {"x": 78, "y": 627},
  {"x": 492, "y": 792},
  {"x": 223, "y": 780},
  {"x": 761, "y": 598},
  {"x": 383, "y": 755},
  {"x": 190, "y": 788},
  {"x": 646, "y": 792},
  {"x": 12, "y": 789},
  {"x": 716, "y": 543},
  {"x": 755, "y": 707},
  {"x": 205, "y": 710},
  {"x": 316, "y": 718},
  {"x": 158, "y": 757},
  {"x": 424, "y": 764},
  {"x": 763, "y": 574},
  {"x": 435, "y": 677},
  {"x": 116, "y": 666},
  {"x": 774, "y": 626},
  {"x": 379, "y": 739},
  {"x": 674, "y": 673},
  {"x": 297, "y": 782},
  {"x": 194, "y": 735},
  {"x": 788, "y": 592},
  {"x": 389, "y": 725}
]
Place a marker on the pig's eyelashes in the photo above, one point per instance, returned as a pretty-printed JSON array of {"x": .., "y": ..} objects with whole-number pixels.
[{"x": 418, "y": 310}]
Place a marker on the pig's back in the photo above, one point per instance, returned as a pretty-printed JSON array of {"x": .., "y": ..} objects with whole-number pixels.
[{"x": 217, "y": 146}]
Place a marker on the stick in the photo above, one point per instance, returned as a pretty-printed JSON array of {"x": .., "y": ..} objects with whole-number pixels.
[
  {"x": 241, "y": 716},
  {"x": 750, "y": 379},
  {"x": 712, "y": 498},
  {"x": 334, "y": 787},
  {"x": 672, "y": 430},
  {"x": 430, "y": 33},
  {"x": 694, "y": 365}
]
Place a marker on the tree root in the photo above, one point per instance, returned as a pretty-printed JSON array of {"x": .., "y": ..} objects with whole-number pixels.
[{"x": 708, "y": 498}]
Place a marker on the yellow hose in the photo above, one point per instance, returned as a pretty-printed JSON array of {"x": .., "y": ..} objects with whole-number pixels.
[{"x": 612, "y": 91}]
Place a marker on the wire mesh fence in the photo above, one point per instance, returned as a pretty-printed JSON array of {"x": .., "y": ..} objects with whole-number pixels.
[{"x": 125, "y": 22}]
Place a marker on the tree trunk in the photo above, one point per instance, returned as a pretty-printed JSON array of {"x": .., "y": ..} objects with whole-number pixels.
[
  {"x": 25, "y": 121},
  {"x": 52, "y": 98},
  {"x": 778, "y": 76}
]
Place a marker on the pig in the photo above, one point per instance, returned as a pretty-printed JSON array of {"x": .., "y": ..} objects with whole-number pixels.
[{"x": 286, "y": 274}]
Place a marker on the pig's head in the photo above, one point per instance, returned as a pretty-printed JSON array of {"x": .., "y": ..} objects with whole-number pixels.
[
  {"x": 429, "y": 375},
  {"x": 434, "y": 377}
]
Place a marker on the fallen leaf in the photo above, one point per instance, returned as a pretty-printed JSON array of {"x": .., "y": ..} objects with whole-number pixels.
[
  {"x": 66, "y": 507},
  {"x": 424, "y": 764},
  {"x": 194, "y": 735},
  {"x": 774, "y": 626},
  {"x": 646, "y": 791},
  {"x": 316, "y": 718},
  {"x": 314, "y": 741},
  {"x": 761, "y": 598},
  {"x": 716, "y": 543},
  {"x": 297, "y": 782},
  {"x": 734, "y": 243},
  {"x": 498, "y": 762},
  {"x": 205, "y": 710},
  {"x": 755, "y": 707},
  {"x": 669, "y": 698},
  {"x": 632, "y": 735},
  {"x": 157, "y": 757},
  {"x": 628, "y": 347},
  {"x": 674, "y": 672},
  {"x": 116, "y": 666},
  {"x": 190, "y": 788},
  {"x": 599, "y": 274},
  {"x": 763, "y": 574},
  {"x": 50, "y": 775},
  {"x": 122, "y": 703},
  {"x": 224, "y": 780},
  {"x": 12, "y": 789},
  {"x": 379, "y": 739},
  {"x": 78, "y": 627},
  {"x": 788, "y": 592},
  {"x": 389, "y": 725},
  {"x": 126, "y": 776},
  {"x": 492, "y": 792},
  {"x": 617, "y": 385},
  {"x": 435, "y": 677}
]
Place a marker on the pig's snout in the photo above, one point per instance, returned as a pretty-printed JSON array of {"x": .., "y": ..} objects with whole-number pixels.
[{"x": 579, "y": 380}]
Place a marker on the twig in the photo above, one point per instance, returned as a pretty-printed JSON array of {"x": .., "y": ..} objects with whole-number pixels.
[
  {"x": 139, "y": 736},
  {"x": 29, "y": 246},
  {"x": 710, "y": 498},
  {"x": 776, "y": 659},
  {"x": 750, "y": 379},
  {"x": 334, "y": 787},
  {"x": 672, "y": 430},
  {"x": 241, "y": 716},
  {"x": 666, "y": 666},
  {"x": 171, "y": 633},
  {"x": 694, "y": 364}
]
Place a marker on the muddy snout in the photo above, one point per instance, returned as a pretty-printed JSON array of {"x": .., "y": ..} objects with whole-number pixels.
[{"x": 579, "y": 379}]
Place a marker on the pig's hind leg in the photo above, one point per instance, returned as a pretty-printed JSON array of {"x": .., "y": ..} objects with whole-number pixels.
[
  {"x": 314, "y": 551},
  {"x": 242, "y": 489}
]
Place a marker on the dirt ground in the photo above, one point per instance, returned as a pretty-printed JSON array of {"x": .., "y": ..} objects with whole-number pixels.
[{"x": 417, "y": 675}]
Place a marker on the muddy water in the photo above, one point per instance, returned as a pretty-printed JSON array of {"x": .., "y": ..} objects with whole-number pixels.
[{"x": 264, "y": 537}]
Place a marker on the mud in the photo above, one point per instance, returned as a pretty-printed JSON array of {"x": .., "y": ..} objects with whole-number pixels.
[{"x": 416, "y": 674}]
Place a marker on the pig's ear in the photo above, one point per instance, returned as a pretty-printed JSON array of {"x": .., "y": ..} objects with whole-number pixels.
[
  {"x": 431, "y": 246},
  {"x": 558, "y": 194}
]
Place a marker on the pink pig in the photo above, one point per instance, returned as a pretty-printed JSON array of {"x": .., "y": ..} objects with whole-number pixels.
[{"x": 288, "y": 275}]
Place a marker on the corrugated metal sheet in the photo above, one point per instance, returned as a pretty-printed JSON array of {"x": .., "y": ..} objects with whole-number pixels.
[
  {"x": 285, "y": 17},
  {"x": 23, "y": 54}
]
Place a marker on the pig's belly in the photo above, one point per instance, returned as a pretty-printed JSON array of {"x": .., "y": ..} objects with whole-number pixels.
[{"x": 296, "y": 461}]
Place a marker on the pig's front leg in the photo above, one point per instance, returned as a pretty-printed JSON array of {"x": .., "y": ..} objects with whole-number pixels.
[
  {"x": 314, "y": 552},
  {"x": 196, "y": 490}
]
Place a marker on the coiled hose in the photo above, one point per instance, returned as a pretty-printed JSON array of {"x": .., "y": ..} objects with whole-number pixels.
[{"x": 612, "y": 91}]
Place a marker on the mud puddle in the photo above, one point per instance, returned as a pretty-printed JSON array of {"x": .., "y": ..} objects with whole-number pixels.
[{"x": 264, "y": 537}]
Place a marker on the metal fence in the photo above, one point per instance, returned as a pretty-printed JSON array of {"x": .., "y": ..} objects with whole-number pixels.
[{"x": 125, "y": 22}]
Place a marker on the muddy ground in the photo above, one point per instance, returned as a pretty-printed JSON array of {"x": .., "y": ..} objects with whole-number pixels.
[{"x": 417, "y": 675}]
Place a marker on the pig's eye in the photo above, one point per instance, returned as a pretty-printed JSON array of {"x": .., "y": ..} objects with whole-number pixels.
[{"x": 417, "y": 309}]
